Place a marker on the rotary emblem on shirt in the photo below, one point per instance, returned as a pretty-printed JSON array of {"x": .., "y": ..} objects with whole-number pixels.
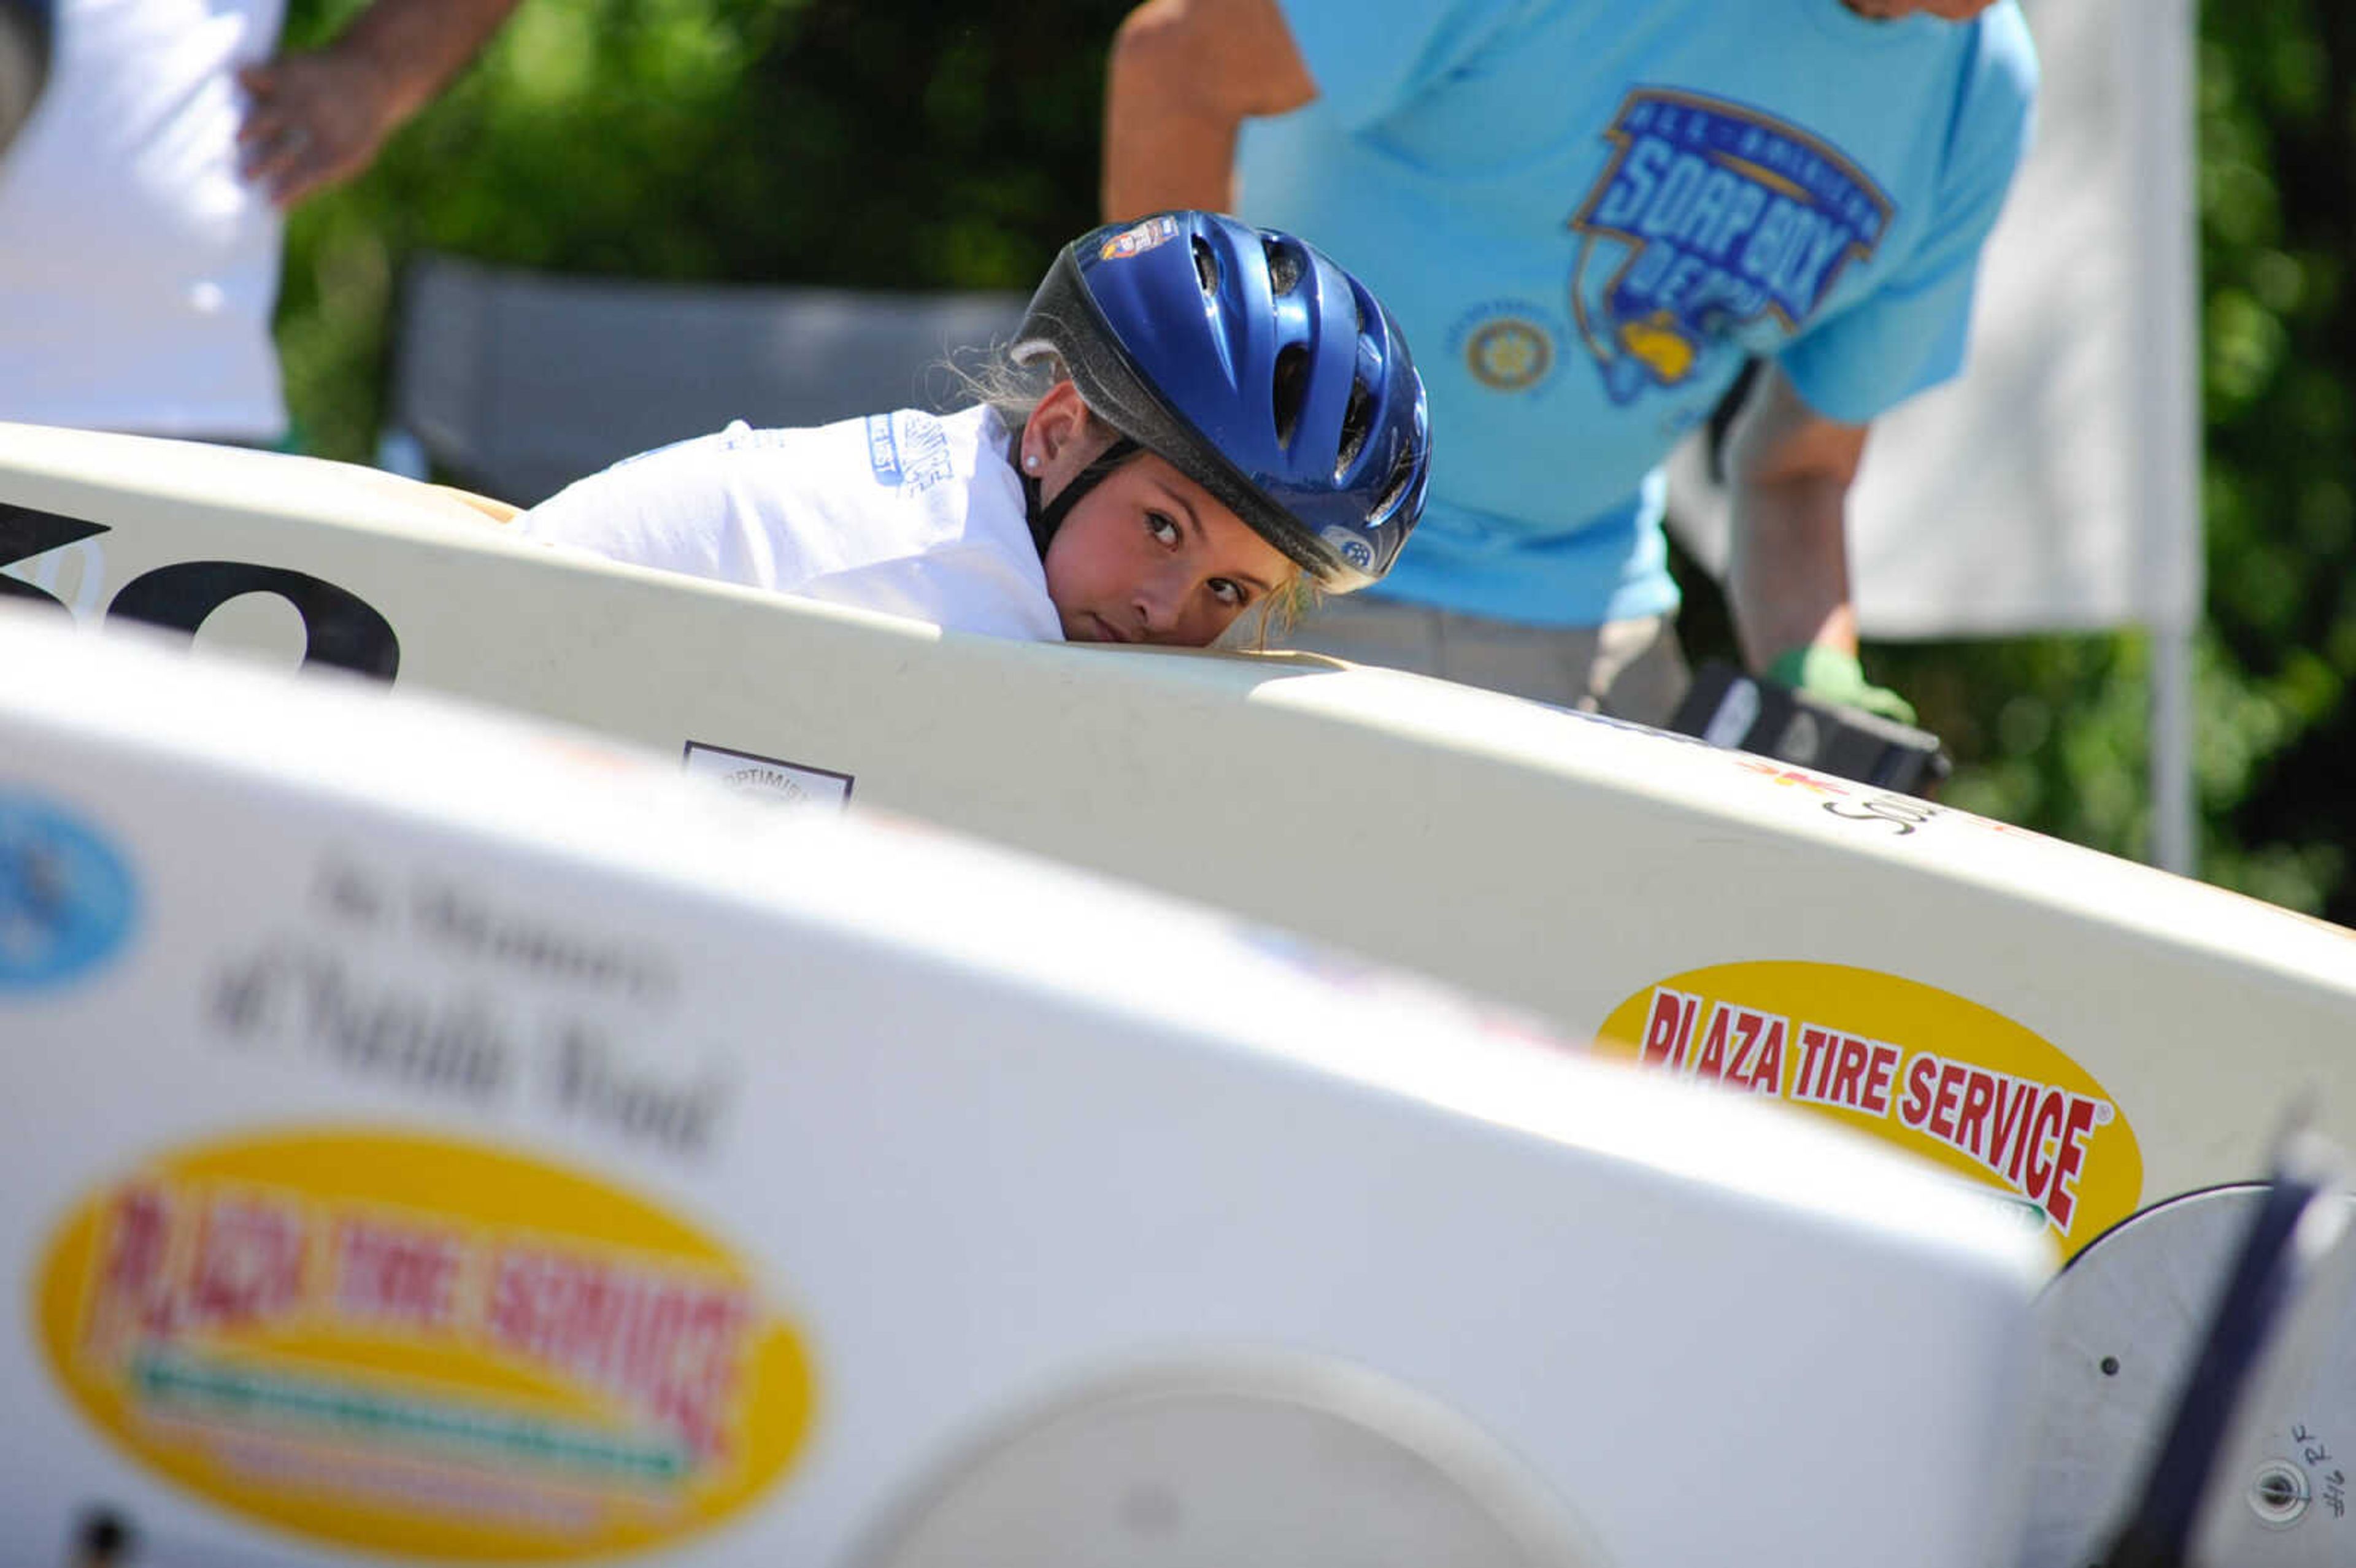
[
  {"x": 1709, "y": 217},
  {"x": 1509, "y": 354},
  {"x": 1508, "y": 345}
]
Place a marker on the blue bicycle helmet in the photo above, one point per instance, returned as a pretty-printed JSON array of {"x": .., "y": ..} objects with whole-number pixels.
[{"x": 1255, "y": 367}]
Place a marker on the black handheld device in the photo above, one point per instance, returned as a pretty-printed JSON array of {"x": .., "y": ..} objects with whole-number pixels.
[{"x": 1728, "y": 708}]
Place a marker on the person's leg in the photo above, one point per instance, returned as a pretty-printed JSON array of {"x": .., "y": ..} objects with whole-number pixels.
[
  {"x": 1640, "y": 672},
  {"x": 1371, "y": 631},
  {"x": 1630, "y": 669},
  {"x": 1546, "y": 664}
]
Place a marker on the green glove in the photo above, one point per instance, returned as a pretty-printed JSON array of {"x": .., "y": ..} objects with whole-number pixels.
[{"x": 1837, "y": 676}]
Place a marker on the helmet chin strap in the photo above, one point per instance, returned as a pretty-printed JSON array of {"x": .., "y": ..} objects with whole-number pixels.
[{"x": 1046, "y": 517}]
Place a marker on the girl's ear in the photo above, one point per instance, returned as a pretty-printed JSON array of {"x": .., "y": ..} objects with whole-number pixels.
[{"x": 1059, "y": 420}]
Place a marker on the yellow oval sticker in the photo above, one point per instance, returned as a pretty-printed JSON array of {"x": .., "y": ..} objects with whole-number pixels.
[
  {"x": 1922, "y": 1068},
  {"x": 422, "y": 1346}
]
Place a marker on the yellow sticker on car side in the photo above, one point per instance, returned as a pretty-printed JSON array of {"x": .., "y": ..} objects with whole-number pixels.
[
  {"x": 422, "y": 1346},
  {"x": 1929, "y": 1071}
]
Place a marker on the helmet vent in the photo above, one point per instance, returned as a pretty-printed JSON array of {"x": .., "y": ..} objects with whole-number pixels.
[
  {"x": 1357, "y": 422},
  {"x": 1283, "y": 268},
  {"x": 1206, "y": 267},
  {"x": 1289, "y": 388}
]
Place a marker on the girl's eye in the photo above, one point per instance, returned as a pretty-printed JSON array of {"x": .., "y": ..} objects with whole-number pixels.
[
  {"x": 1162, "y": 528},
  {"x": 1230, "y": 593}
]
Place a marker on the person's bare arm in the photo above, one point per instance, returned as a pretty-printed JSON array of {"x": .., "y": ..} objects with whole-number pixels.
[
  {"x": 320, "y": 117},
  {"x": 1183, "y": 76},
  {"x": 1789, "y": 469}
]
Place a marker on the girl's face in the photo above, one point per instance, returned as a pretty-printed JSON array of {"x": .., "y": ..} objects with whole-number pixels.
[{"x": 1148, "y": 556}]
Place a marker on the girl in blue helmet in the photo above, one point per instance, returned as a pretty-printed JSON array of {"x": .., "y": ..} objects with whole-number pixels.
[{"x": 1229, "y": 418}]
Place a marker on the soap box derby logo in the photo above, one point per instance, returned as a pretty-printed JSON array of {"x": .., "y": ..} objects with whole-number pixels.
[{"x": 421, "y": 1348}]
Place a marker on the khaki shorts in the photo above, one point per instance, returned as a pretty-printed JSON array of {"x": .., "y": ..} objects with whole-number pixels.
[{"x": 1630, "y": 669}]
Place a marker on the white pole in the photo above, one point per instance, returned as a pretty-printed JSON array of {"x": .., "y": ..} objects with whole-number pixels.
[{"x": 2157, "y": 39}]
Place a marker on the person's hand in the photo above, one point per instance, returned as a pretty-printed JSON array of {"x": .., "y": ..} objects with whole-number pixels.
[
  {"x": 1836, "y": 676},
  {"x": 313, "y": 119}
]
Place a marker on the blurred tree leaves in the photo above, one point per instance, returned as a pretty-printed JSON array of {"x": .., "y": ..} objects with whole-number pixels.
[
  {"x": 896, "y": 144},
  {"x": 883, "y": 145},
  {"x": 2278, "y": 224},
  {"x": 2053, "y": 732}
]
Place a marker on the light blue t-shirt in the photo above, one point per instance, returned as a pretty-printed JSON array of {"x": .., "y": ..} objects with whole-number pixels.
[{"x": 1587, "y": 213}]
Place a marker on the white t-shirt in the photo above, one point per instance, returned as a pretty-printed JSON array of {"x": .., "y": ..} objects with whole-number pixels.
[
  {"x": 908, "y": 513},
  {"x": 138, "y": 269}
]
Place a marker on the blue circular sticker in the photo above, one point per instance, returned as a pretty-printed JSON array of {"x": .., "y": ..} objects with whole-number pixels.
[{"x": 67, "y": 903}]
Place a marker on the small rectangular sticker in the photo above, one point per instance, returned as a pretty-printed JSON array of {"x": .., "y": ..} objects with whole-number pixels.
[
  {"x": 882, "y": 450},
  {"x": 1137, "y": 240},
  {"x": 790, "y": 782}
]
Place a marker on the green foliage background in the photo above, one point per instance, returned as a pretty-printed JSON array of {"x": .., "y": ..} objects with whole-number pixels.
[{"x": 903, "y": 144}]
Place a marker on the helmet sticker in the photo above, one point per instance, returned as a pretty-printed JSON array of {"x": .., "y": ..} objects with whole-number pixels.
[
  {"x": 1139, "y": 240},
  {"x": 1351, "y": 548}
]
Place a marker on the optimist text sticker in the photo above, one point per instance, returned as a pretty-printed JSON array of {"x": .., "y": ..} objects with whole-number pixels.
[
  {"x": 422, "y": 1348},
  {"x": 1920, "y": 1067},
  {"x": 792, "y": 784}
]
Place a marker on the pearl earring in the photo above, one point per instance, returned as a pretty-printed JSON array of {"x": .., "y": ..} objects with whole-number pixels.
[{"x": 1030, "y": 462}]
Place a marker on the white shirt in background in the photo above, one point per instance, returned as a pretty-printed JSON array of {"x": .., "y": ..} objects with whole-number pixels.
[{"x": 138, "y": 269}]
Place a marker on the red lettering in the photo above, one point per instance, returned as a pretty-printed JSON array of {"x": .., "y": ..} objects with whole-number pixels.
[
  {"x": 669, "y": 1347},
  {"x": 136, "y": 1292},
  {"x": 1850, "y": 1073},
  {"x": 1916, "y": 1109},
  {"x": 140, "y": 1235},
  {"x": 1688, "y": 1019},
  {"x": 1979, "y": 1093},
  {"x": 1942, "y": 1124},
  {"x": 2009, "y": 1127},
  {"x": 1712, "y": 1061},
  {"x": 2062, "y": 1196},
  {"x": 386, "y": 1273},
  {"x": 1880, "y": 1068},
  {"x": 1767, "y": 1075},
  {"x": 1665, "y": 1030},
  {"x": 1747, "y": 1025},
  {"x": 1814, "y": 1042},
  {"x": 248, "y": 1263},
  {"x": 2051, "y": 1113}
]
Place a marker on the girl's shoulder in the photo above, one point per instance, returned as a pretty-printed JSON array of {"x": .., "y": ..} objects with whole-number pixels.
[
  {"x": 904, "y": 483},
  {"x": 910, "y": 452}
]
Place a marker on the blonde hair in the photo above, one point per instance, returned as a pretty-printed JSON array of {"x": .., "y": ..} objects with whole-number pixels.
[
  {"x": 1271, "y": 621},
  {"x": 992, "y": 377}
]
